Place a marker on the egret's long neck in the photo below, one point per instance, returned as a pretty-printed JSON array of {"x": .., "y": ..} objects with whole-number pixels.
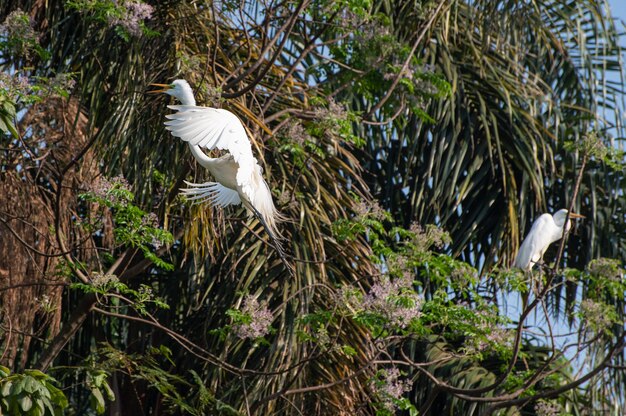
[
  {"x": 187, "y": 98},
  {"x": 200, "y": 156}
]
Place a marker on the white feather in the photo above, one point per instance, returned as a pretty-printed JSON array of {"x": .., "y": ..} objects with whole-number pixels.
[
  {"x": 545, "y": 230},
  {"x": 213, "y": 192}
]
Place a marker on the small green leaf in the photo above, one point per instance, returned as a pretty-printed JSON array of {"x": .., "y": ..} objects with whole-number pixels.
[
  {"x": 97, "y": 401},
  {"x": 348, "y": 350},
  {"x": 7, "y": 117},
  {"x": 30, "y": 384},
  {"x": 25, "y": 403},
  {"x": 44, "y": 392},
  {"x": 58, "y": 397},
  {"x": 109, "y": 393},
  {"x": 39, "y": 408},
  {"x": 6, "y": 389},
  {"x": 17, "y": 387}
]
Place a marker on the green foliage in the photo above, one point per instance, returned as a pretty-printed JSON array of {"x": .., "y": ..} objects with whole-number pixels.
[
  {"x": 605, "y": 278},
  {"x": 18, "y": 38},
  {"x": 189, "y": 396},
  {"x": 19, "y": 89},
  {"x": 108, "y": 285},
  {"x": 97, "y": 384},
  {"x": 593, "y": 146},
  {"x": 310, "y": 325},
  {"x": 126, "y": 17},
  {"x": 301, "y": 147},
  {"x": 305, "y": 140},
  {"x": 512, "y": 280},
  {"x": 59, "y": 85},
  {"x": 134, "y": 227},
  {"x": 515, "y": 381},
  {"x": 7, "y": 117},
  {"x": 461, "y": 315},
  {"x": 32, "y": 393},
  {"x": 19, "y": 41},
  {"x": 326, "y": 8},
  {"x": 598, "y": 317}
]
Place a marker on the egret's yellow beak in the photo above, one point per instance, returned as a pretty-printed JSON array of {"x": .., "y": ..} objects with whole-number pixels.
[
  {"x": 162, "y": 88},
  {"x": 574, "y": 215}
]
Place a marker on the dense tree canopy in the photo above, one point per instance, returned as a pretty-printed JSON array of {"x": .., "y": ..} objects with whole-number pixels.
[{"x": 409, "y": 144}]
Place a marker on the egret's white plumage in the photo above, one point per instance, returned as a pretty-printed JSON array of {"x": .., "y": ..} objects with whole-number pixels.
[
  {"x": 545, "y": 230},
  {"x": 238, "y": 174}
]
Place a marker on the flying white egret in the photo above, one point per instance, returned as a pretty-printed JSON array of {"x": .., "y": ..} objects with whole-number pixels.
[
  {"x": 545, "y": 230},
  {"x": 238, "y": 174}
]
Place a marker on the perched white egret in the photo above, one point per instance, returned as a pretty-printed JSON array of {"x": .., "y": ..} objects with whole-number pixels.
[
  {"x": 238, "y": 174},
  {"x": 545, "y": 230}
]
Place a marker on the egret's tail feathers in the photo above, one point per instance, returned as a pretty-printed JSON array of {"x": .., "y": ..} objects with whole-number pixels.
[
  {"x": 258, "y": 198},
  {"x": 213, "y": 192},
  {"x": 267, "y": 213},
  {"x": 272, "y": 232}
]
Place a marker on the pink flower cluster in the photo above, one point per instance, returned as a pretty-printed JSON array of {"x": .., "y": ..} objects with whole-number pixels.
[
  {"x": 18, "y": 29},
  {"x": 297, "y": 133},
  {"x": 335, "y": 111},
  {"x": 257, "y": 320},
  {"x": 370, "y": 209},
  {"x": 395, "y": 300},
  {"x": 390, "y": 388},
  {"x": 134, "y": 12},
  {"x": 424, "y": 238},
  {"x": 103, "y": 187},
  {"x": 489, "y": 334},
  {"x": 548, "y": 408},
  {"x": 597, "y": 316},
  {"x": 14, "y": 86}
]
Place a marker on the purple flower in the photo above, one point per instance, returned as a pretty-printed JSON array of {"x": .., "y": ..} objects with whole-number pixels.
[
  {"x": 296, "y": 132},
  {"x": 105, "y": 188},
  {"x": 103, "y": 279},
  {"x": 389, "y": 388},
  {"x": 18, "y": 29},
  {"x": 431, "y": 236},
  {"x": 331, "y": 115},
  {"x": 255, "y": 320},
  {"x": 14, "y": 86},
  {"x": 489, "y": 333},
  {"x": 371, "y": 209},
  {"x": 150, "y": 220},
  {"x": 547, "y": 408},
  {"x": 131, "y": 14},
  {"x": 395, "y": 300}
]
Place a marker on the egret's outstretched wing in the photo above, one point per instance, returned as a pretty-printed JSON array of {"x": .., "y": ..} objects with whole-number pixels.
[
  {"x": 535, "y": 243},
  {"x": 213, "y": 192},
  {"x": 211, "y": 128}
]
